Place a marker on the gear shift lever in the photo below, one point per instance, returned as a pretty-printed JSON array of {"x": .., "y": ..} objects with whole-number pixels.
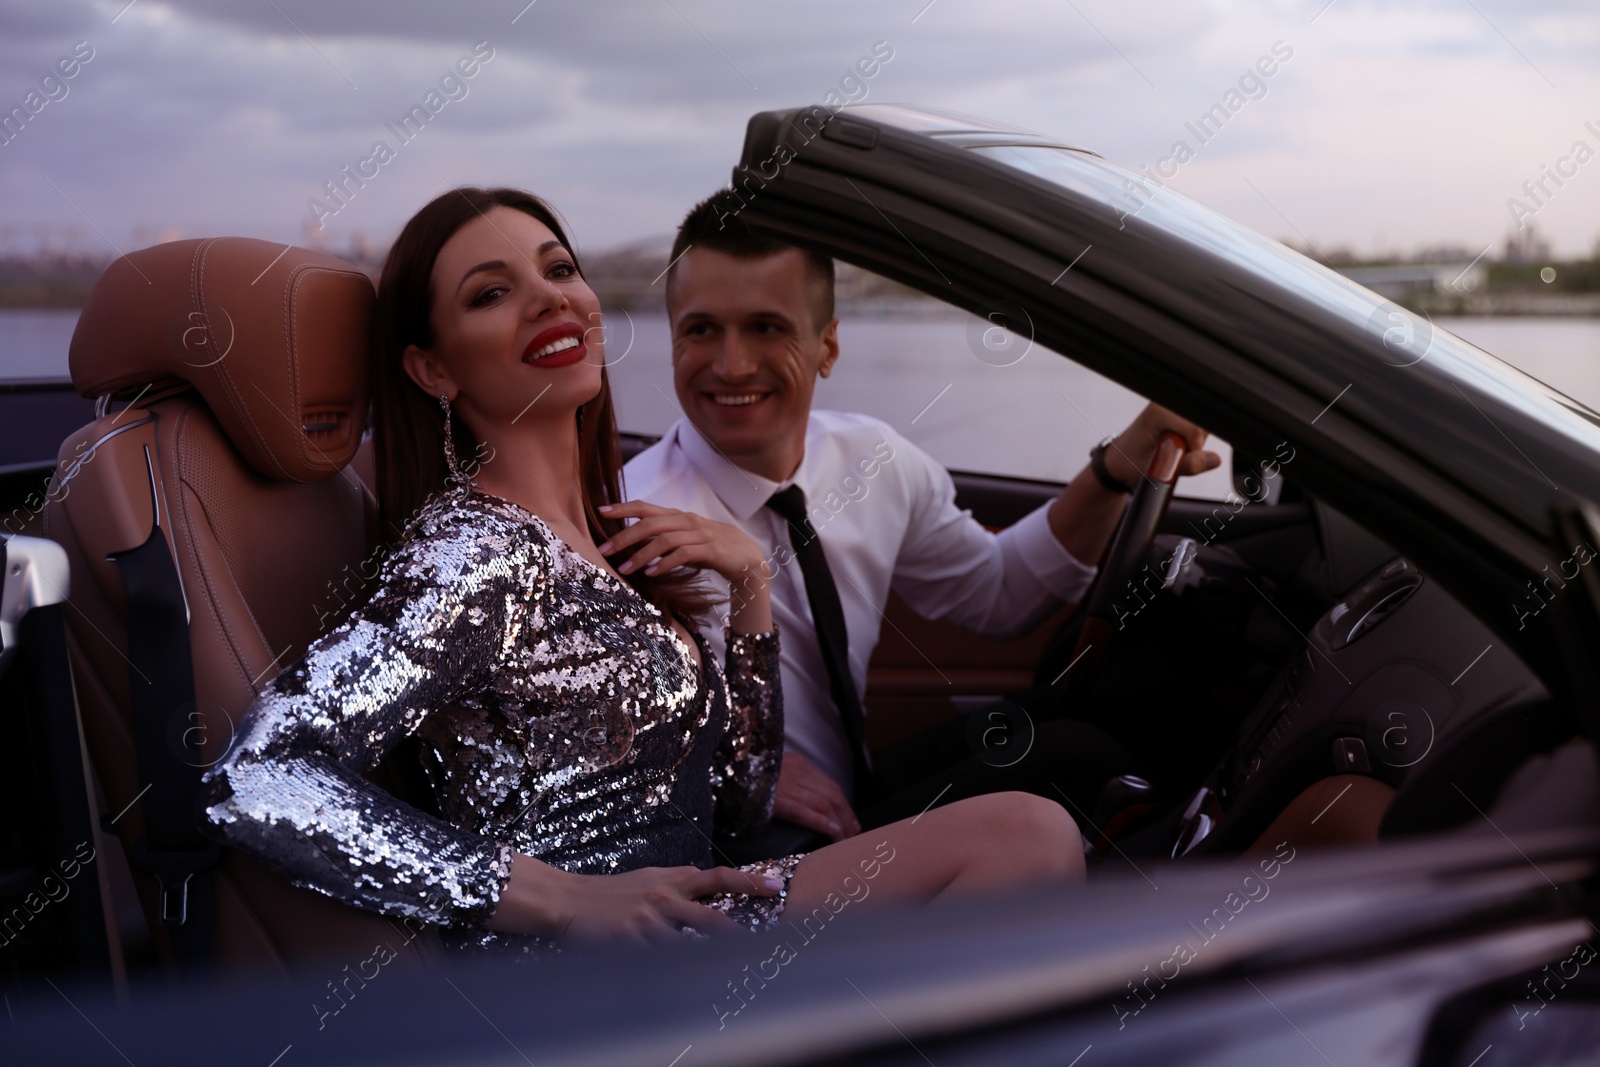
[{"x": 1118, "y": 801}]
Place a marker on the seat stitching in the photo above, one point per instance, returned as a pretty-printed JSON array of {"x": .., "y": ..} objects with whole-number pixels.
[
  {"x": 288, "y": 351},
  {"x": 241, "y": 408},
  {"x": 291, "y": 313},
  {"x": 218, "y": 616}
]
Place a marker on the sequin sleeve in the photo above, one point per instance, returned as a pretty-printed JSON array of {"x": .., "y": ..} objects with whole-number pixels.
[
  {"x": 744, "y": 774},
  {"x": 449, "y": 602}
]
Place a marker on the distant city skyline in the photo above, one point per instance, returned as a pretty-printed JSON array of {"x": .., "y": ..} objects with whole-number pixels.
[
  {"x": 1379, "y": 128},
  {"x": 74, "y": 243}
]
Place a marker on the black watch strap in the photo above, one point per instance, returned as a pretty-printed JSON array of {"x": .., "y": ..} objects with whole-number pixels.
[{"x": 1102, "y": 473}]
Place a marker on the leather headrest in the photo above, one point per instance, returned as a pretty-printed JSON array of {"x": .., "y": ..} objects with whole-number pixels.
[{"x": 273, "y": 337}]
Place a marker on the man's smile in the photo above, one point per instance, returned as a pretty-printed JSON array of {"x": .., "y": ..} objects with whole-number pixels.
[{"x": 734, "y": 400}]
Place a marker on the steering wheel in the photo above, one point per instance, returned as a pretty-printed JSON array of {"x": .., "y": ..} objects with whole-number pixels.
[{"x": 1128, "y": 551}]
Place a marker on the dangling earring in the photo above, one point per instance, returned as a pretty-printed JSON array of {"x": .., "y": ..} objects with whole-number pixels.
[
  {"x": 580, "y": 418},
  {"x": 456, "y": 477}
]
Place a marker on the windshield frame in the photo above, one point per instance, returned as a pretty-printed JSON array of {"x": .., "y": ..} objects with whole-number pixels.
[
  {"x": 1473, "y": 476},
  {"x": 1131, "y": 196}
]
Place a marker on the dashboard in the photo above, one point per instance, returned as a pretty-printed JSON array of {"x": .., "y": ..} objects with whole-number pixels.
[{"x": 1393, "y": 677}]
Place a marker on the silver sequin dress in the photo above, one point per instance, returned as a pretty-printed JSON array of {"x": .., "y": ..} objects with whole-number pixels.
[{"x": 561, "y": 717}]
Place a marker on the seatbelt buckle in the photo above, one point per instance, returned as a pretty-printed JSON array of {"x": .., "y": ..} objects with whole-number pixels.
[
  {"x": 173, "y": 868},
  {"x": 174, "y": 906}
]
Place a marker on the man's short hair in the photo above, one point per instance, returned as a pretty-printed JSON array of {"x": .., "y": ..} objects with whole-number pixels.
[{"x": 714, "y": 224}]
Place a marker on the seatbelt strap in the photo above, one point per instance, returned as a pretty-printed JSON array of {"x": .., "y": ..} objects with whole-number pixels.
[{"x": 167, "y": 744}]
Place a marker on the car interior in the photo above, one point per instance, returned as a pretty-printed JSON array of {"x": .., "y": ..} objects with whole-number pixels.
[
  {"x": 1268, "y": 660},
  {"x": 235, "y": 474}
]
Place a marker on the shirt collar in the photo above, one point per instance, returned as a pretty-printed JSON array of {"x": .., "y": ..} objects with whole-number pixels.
[{"x": 742, "y": 492}]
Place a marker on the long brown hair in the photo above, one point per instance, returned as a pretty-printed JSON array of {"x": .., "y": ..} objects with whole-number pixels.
[{"x": 408, "y": 425}]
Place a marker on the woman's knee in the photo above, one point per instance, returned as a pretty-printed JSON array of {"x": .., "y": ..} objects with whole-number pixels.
[
  {"x": 1030, "y": 836},
  {"x": 1013, "y": 818},
  {"x": 1044, "y": 820}
]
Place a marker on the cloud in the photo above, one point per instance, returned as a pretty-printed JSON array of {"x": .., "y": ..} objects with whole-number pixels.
[{"x": 1413, "y": 120}]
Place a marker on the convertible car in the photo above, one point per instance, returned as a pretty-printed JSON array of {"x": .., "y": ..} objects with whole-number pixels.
[{"x": 1365, "y": 686}]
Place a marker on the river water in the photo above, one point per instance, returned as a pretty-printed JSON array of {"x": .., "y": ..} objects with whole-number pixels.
[{"x": 1034, "y": 418}]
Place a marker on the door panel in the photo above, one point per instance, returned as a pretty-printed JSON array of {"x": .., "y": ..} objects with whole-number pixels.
[{"x": 922, "y": 672}]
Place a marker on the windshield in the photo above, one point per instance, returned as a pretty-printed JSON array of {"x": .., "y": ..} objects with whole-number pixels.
[{"x": 1410, "y": 341}]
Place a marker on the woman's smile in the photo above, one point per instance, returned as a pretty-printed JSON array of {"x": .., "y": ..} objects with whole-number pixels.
[{"x": 559, "y": 346}]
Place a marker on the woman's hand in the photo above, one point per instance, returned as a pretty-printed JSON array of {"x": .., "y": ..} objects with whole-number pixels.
[
  {"x": 665, "y": 538},
  {"x": 668, "y": 538},
  {"x": 649, "y": 904}
]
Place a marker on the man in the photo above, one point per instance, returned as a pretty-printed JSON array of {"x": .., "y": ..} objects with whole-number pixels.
[{"x": 752, "y": 330}]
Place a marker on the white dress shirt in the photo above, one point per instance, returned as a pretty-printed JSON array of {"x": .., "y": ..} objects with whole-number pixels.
[{"x": 885, "y": 513}]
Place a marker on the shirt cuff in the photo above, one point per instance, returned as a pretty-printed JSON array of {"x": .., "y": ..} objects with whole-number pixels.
[{"x": 1056, "y": 569}]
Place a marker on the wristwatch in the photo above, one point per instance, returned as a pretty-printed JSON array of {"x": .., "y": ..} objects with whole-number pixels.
[{"x": 1102, "y": 473}]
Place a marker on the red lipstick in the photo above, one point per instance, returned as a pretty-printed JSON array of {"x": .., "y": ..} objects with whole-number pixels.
[{"x": 562, "y": 345}]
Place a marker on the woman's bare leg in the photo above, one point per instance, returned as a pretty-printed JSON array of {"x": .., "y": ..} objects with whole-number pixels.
[{"x": 979, "y": 844}]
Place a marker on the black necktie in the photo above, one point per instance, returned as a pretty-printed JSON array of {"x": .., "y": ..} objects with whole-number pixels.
[{"x": 827, "y": 615}]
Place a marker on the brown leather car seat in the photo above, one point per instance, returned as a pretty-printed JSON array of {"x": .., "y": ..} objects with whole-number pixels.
[{"x": 244, "y": 365}]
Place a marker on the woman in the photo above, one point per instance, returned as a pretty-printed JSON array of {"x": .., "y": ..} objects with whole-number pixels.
[{"x": 581, "y": 743}]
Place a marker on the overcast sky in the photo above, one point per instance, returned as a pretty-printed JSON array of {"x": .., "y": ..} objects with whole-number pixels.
[{"x": 1393, "y": 124}]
